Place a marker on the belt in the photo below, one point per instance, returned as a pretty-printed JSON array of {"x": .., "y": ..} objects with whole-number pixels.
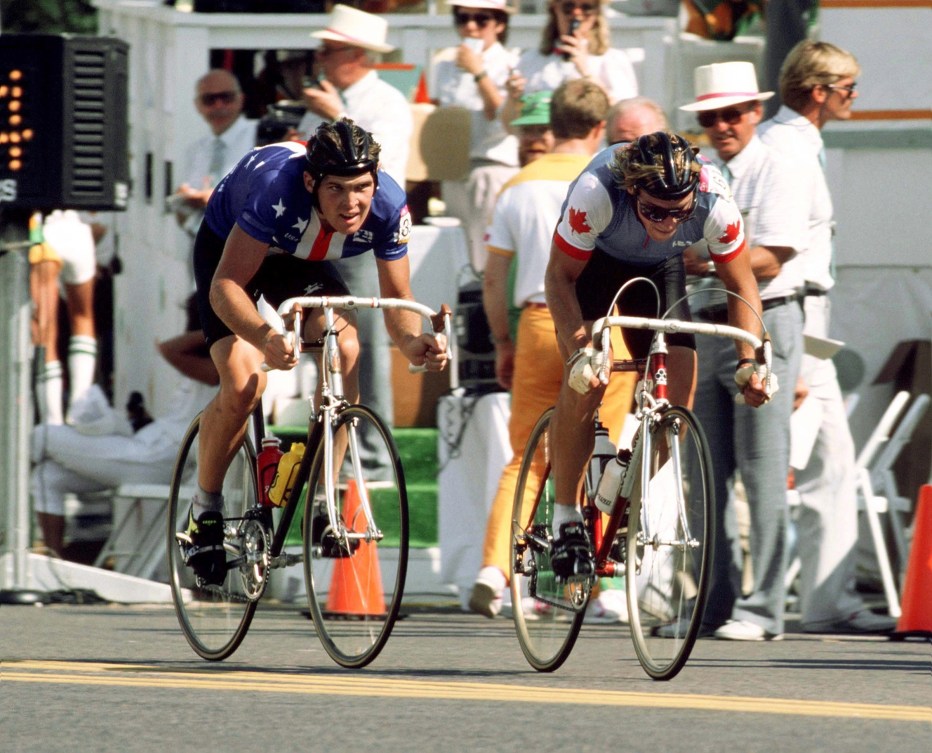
[
  {"x": 719, "y": 314},
  {"x": 813, "y": 291},
  {"x": 535, "y": 305}
]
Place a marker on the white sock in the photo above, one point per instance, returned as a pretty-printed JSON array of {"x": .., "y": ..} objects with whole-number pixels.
[
  {"x": 50, "y": 389},
  {"x": 564, "y": 514},
  {"x": 82, "y": 363},
  {"x": 206, "y": 502}
]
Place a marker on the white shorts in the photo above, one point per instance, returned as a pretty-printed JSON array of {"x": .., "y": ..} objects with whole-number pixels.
[{"x": 73, "y": 244}]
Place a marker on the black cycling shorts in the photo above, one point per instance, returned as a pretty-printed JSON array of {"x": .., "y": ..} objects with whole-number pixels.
[
  {"x": 280, "y": 277},
  {"x": 603, "y": 275}
]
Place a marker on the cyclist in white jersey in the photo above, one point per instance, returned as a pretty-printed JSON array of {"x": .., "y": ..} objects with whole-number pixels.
[{"x": 631, "y": 213}]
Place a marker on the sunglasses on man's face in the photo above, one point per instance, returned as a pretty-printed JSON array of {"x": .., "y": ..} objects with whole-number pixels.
[
  {"x": 208, "y": 100},
  {"x": 660, "y": 214},
  {"x": 480, "y": 19},
  {"x": 731, "y": 115}
]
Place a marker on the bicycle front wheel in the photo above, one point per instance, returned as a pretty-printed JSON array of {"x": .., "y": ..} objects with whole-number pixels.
[
  {"x": 215, "y": 618},
  {"x": 547, "y": 615},
  {"x": 669, "y": 544},
  {"x": 356, "y": 562}
]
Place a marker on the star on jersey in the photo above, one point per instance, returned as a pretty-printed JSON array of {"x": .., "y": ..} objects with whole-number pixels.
[
  {"x": 300, "y": 225},
  {"x": 279, "y": 208}
]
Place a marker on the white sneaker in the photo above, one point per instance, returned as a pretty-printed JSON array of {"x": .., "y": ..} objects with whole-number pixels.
[
  {"x": 486, "y": 597},
  {"x": 610, "y": 606},
  {"x": 743, "y": 630}
]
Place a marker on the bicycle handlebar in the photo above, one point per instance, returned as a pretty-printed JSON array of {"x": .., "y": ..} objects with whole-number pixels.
[
  {"x": 601, "y": 336},
  {"x": 440, "y": 321}
]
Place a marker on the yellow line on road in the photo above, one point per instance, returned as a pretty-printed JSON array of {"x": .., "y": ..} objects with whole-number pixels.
[{"x": 147, "y": 676}]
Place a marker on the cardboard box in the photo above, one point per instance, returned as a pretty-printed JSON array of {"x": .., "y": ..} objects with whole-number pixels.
[{"x": 415, "y": 395}]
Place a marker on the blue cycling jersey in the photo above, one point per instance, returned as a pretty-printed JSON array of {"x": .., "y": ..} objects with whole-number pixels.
[{"x": 265, "y": 195}]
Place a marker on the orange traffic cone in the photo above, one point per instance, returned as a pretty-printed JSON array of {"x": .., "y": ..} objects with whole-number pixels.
[
  {"x": 917, "y": 590},
  {"x": 420, "y": 95},
  {"x": 356, "y": 583}
]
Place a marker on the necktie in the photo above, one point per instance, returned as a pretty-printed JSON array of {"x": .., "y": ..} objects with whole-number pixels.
[
  {"x": 726, "y": 173},
  {"x": 217, "y": 154}
]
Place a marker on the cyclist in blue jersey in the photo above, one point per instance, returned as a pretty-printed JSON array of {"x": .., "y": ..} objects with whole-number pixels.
[
  {"x": 632, "y": 213},
  {"x": 271, "y": 227}
]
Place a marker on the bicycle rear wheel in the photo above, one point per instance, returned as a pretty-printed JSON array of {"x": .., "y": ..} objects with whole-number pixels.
[
  {"x": 215, "y": 618},
  {"x": 355, "y": 571},
  {"x": 669, "y": 545},
  {"x": 547, "y": 615}
]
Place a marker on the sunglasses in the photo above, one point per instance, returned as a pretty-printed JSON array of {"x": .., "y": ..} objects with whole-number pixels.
[
  {"x": 849, "y": 90},
  {"x": 659, "y": 214},
  {"x": 322, "y": 52},
  {"x": 208, "y": 100},
  {"x": 585, "y": 8},
  {"x": 731, "y": 115},
  {"x": 480, "y": 19}
]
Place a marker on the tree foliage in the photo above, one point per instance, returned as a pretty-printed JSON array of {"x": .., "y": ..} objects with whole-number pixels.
[{"x": 48, "y": 16}]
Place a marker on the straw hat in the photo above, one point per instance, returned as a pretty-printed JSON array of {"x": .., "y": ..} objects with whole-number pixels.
[
  {"x": 356, "y": 28},
  {"x": 723, "y": 84},
  {"x": 499, "y": 5}
]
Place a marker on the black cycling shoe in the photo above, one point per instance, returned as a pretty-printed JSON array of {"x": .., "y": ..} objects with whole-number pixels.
[
  {"x": 571, "y": 555},
  {"x": 205, "y": 553}
]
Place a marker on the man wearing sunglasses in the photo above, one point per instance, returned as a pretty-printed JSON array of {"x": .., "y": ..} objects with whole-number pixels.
[
  {"x": 754, "y": 444},
  {"x": 219, "y": 101},
  {"x": 818, "y": 84},
  {"x": 630, "y": 214}
]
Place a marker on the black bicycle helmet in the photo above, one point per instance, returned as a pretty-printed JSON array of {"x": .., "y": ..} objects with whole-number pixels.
[
  {"x": 677, "y": 173},
  {"x": 342, "y": 149}
]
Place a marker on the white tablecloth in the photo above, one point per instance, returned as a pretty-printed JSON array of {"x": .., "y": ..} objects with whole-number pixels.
[
  {"x": 473, "y": 450},
  {"x": 437, "y": 256}
]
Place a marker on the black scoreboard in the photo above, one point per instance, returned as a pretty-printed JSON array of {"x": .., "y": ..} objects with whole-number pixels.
[{"x": 63, "y": 122}]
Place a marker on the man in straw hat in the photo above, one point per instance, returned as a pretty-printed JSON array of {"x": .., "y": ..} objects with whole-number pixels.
[
  {"x": 348, "y": 86},
  {"x": 817, "y": 85},
  {"x": 754, "y": 443}
]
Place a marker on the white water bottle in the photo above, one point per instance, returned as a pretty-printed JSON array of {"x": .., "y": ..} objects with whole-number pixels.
[
  {"x": 610, "y": 485},
  {"x": 602, "y": 454}
]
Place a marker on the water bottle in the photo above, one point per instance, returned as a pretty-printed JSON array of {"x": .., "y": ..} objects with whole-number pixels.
[
  {"x": 287, "y": 474},
  {"x": 267, "y": 463},
  {"x": 602, "y": 453},
  {"x": 610, "y": 484}
]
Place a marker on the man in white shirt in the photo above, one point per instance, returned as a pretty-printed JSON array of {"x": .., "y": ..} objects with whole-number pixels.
[
  {"x": 219, "y": 100},
  {"x": 817, "y": 85},
  {"x": 752, "y": 442},
  {"x": 348, "y": 86}
]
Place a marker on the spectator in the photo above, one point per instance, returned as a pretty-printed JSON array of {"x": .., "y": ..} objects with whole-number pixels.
[
  {"x": 574, "y": 44},
  {"x": 68, "y": 460},
  {"x": 633, "y": 117},
  {"x": 530, "y": 365},
  {"x": 219, "y": 100},
  {"x": 535, "y": 137},
  {"x": 63, "y": 251},
  {"x": 630, "y": 214},
  {"x": 472, "y": 75},
  {"x": 818, "y": 84},
  {"x": 754, "y": 443}
]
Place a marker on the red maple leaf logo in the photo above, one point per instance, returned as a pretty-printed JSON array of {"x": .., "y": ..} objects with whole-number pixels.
[
  {"x": 578, "y": 221},
  {"x": 731, "y": 232}
]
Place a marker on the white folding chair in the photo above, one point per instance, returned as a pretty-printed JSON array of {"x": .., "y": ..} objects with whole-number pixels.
[{"x": 877, "y": 489}]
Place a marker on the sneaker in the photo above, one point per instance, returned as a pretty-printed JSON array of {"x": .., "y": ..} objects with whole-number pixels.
[
  {"x": 204, "y": 551},
  {"x": 486, "y": 596},
  {"x": 571, "y": 556},
  {"x": 863, "y": 622},
  {"x": 743, "y": 630},
  {"x": 610, "y": 606}
]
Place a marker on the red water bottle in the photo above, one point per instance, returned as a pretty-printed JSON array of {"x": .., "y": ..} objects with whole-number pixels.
[{"x": 267, "y": 463}]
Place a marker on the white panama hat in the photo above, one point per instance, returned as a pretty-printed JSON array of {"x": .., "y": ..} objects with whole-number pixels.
[
  {"x": 356, "y": 28},
  {"x": 723, "y": 84},
  {"x": 499, "y": 5}
]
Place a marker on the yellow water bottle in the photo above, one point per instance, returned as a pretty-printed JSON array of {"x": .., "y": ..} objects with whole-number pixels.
[{"x": 286, "y": 474}]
